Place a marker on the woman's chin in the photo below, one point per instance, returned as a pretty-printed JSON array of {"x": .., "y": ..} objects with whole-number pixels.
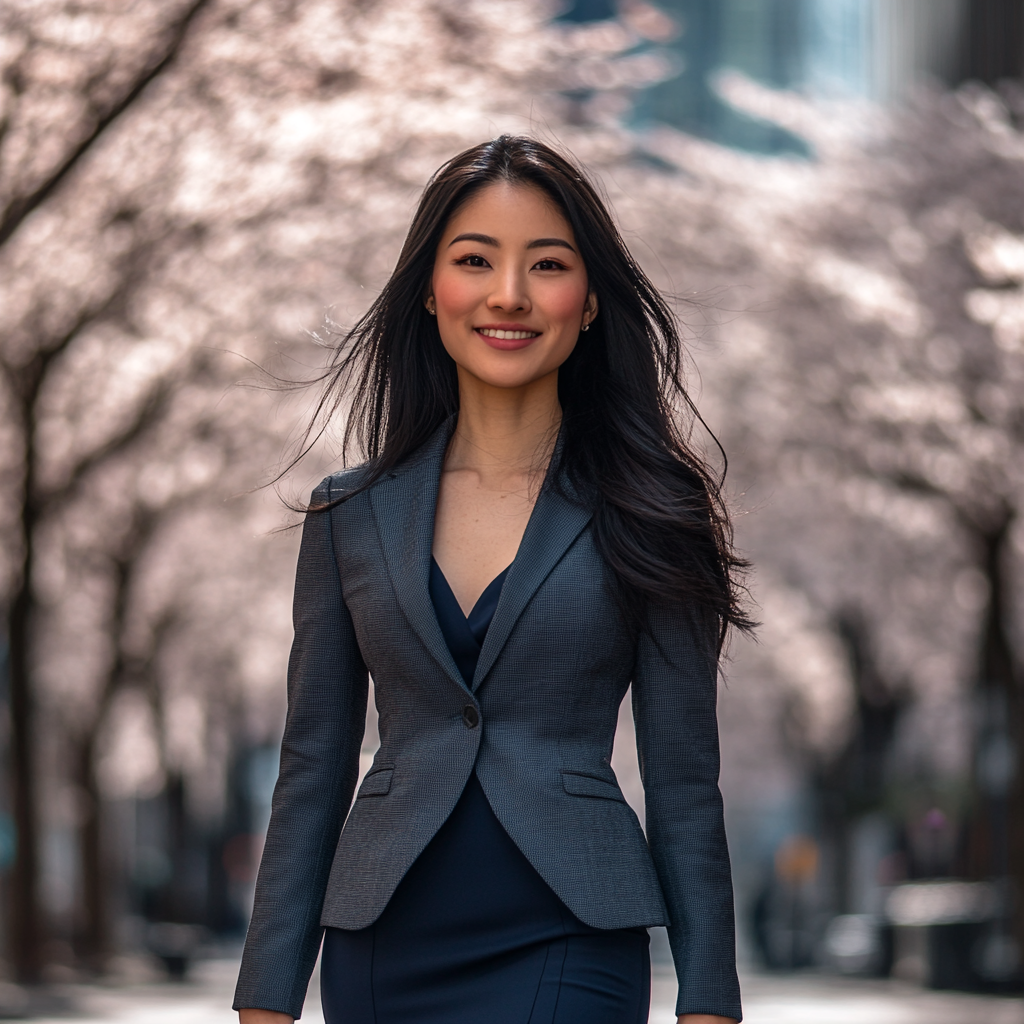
[
  {"x": 508, "y": 370},
  {"x": 506, "y": 378}
]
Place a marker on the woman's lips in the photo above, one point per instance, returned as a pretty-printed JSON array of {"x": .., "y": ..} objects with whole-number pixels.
[{"x": 507, "y": 340}]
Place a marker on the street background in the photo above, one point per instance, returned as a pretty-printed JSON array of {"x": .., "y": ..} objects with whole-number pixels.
[
  {"x": 197, "y": 196},
  {"x": 768, "y": 999}
]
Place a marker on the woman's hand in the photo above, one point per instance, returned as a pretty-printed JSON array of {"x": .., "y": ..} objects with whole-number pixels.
[
  {"x": 705, "y": 1018},
  {"x": 272, "y": 1017}
]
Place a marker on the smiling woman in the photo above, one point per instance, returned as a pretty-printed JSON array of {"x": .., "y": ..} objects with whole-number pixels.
[{"x": 530, "y": 535}]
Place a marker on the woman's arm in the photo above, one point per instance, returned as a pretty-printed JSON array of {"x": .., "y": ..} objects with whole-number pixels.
[
  {"x": 327, "y": 690},
  {"x": 675, "y": 711},
  {"x": 265, "y": 1017}
]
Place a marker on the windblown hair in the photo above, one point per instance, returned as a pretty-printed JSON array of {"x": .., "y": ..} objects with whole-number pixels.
[{"x": 659, "y": 520}]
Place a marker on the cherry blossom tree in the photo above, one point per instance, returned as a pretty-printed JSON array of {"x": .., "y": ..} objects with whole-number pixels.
[
  {"x": 184, "y": 188},
  {"x": 869, "y": 388}
]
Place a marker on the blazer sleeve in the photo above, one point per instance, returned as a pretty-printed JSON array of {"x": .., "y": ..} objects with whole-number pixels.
[
  {"x": 327, "y": 693},
  {"x": 675, "y": 712}
]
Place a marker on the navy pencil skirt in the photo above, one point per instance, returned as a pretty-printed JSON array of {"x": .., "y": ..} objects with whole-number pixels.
[{"x": 473, "y": 935}]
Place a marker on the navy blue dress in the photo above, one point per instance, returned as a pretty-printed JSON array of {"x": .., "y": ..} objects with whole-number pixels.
[{"x": 473, "y": 934}]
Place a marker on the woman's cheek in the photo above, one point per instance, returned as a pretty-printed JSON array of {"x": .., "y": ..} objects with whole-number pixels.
[
  {"x": 455, "y": 296},
  {"x": 563, "y": 301}
]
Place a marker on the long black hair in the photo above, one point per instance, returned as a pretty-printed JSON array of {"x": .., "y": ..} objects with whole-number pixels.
[{"x": 659, "y": 520}]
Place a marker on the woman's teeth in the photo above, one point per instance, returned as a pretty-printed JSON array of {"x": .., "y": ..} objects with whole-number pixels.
[{"x": 507, "y": 335}]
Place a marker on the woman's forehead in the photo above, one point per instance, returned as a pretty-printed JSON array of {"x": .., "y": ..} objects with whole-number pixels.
[{"x": 510, "y": 212}]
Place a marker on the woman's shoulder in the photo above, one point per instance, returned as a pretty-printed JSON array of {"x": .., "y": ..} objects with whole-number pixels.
[
  {"x": 344, "y": 482},
  {"x": 358, "y": 480}
]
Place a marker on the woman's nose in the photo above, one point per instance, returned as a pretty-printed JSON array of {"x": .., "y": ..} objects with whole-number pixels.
[{"x": 510, "y": 293}]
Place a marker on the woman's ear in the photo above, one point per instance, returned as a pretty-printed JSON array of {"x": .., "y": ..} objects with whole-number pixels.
[
  {"x": 431, "y": 305},
  {"x": 590, "y": 309}
]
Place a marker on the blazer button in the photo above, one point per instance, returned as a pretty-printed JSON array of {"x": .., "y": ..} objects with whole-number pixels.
[{"x": 470, "y": 716}]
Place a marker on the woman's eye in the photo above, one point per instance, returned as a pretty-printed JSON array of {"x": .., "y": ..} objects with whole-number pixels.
[
  {"x": 472, "y": 261},
  {"x": 548, "y": 265}
]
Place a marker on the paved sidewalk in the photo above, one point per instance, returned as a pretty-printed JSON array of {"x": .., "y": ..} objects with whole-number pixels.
[
  {"x": 799, "y": 999},
  {"x": 821, "y": 999}
]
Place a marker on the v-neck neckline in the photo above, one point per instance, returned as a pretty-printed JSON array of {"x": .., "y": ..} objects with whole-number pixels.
[
  {"x": 464, "y": 635},
  {"x": 486, "y": 597}
]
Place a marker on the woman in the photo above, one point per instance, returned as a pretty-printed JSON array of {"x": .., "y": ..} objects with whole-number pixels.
[{"x": 530, "y": 535}]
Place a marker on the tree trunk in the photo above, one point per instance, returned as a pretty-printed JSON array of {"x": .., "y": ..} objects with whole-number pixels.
[
  {"x": 92, "y": 938},
  {"x": 853, "y": 783},
  {"x": 25, "y": 929},
  {"x": 93, "y": 933},
  {"x": 996, "y": 847}
]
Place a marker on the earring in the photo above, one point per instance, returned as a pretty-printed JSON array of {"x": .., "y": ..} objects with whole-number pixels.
[
  {"x": 431, "y": 310},
  {"x": 585, "y": 327}
]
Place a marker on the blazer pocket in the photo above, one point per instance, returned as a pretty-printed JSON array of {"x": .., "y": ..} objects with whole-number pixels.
[
  {"x": 582, "y": 784},
  {"x": 376, "y": 783}
]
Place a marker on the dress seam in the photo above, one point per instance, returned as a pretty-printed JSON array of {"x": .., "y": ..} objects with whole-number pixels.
[
  {"x": 561, "y": 974},
  {"x": 540, "y": 985},
  {"x": 562, "y": 911},
  {"x": 373, "y": 950}
]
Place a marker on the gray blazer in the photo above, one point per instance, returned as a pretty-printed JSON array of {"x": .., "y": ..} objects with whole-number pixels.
[{"x": 554, "y": 667}]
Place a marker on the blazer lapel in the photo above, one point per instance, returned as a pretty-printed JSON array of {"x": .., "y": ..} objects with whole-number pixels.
[
  {"x": 554, "y": 524},
  {"x": 404, "y": 508}
]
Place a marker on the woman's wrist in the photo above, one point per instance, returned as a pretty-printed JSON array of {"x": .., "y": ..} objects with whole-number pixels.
[{"x": 264, "y": 1017}]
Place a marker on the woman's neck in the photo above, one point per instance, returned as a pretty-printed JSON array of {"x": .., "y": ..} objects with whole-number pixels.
[{"x": 505, "y": 432}]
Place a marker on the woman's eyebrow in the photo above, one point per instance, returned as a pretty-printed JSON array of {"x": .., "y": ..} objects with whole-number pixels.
[
  {"x": 543, "y": 243},
  {"x": 472, "y": 236},
  {"x": 537, "y": 243}
]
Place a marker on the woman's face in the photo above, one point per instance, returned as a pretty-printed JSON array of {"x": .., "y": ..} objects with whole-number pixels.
[{"x": 509, "y": 288}]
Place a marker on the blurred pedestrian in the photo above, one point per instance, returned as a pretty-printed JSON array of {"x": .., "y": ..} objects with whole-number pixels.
[{"x": 532, "y": 533}]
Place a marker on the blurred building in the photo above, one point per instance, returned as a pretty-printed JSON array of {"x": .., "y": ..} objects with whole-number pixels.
[{"x": 843, "y": 49}]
